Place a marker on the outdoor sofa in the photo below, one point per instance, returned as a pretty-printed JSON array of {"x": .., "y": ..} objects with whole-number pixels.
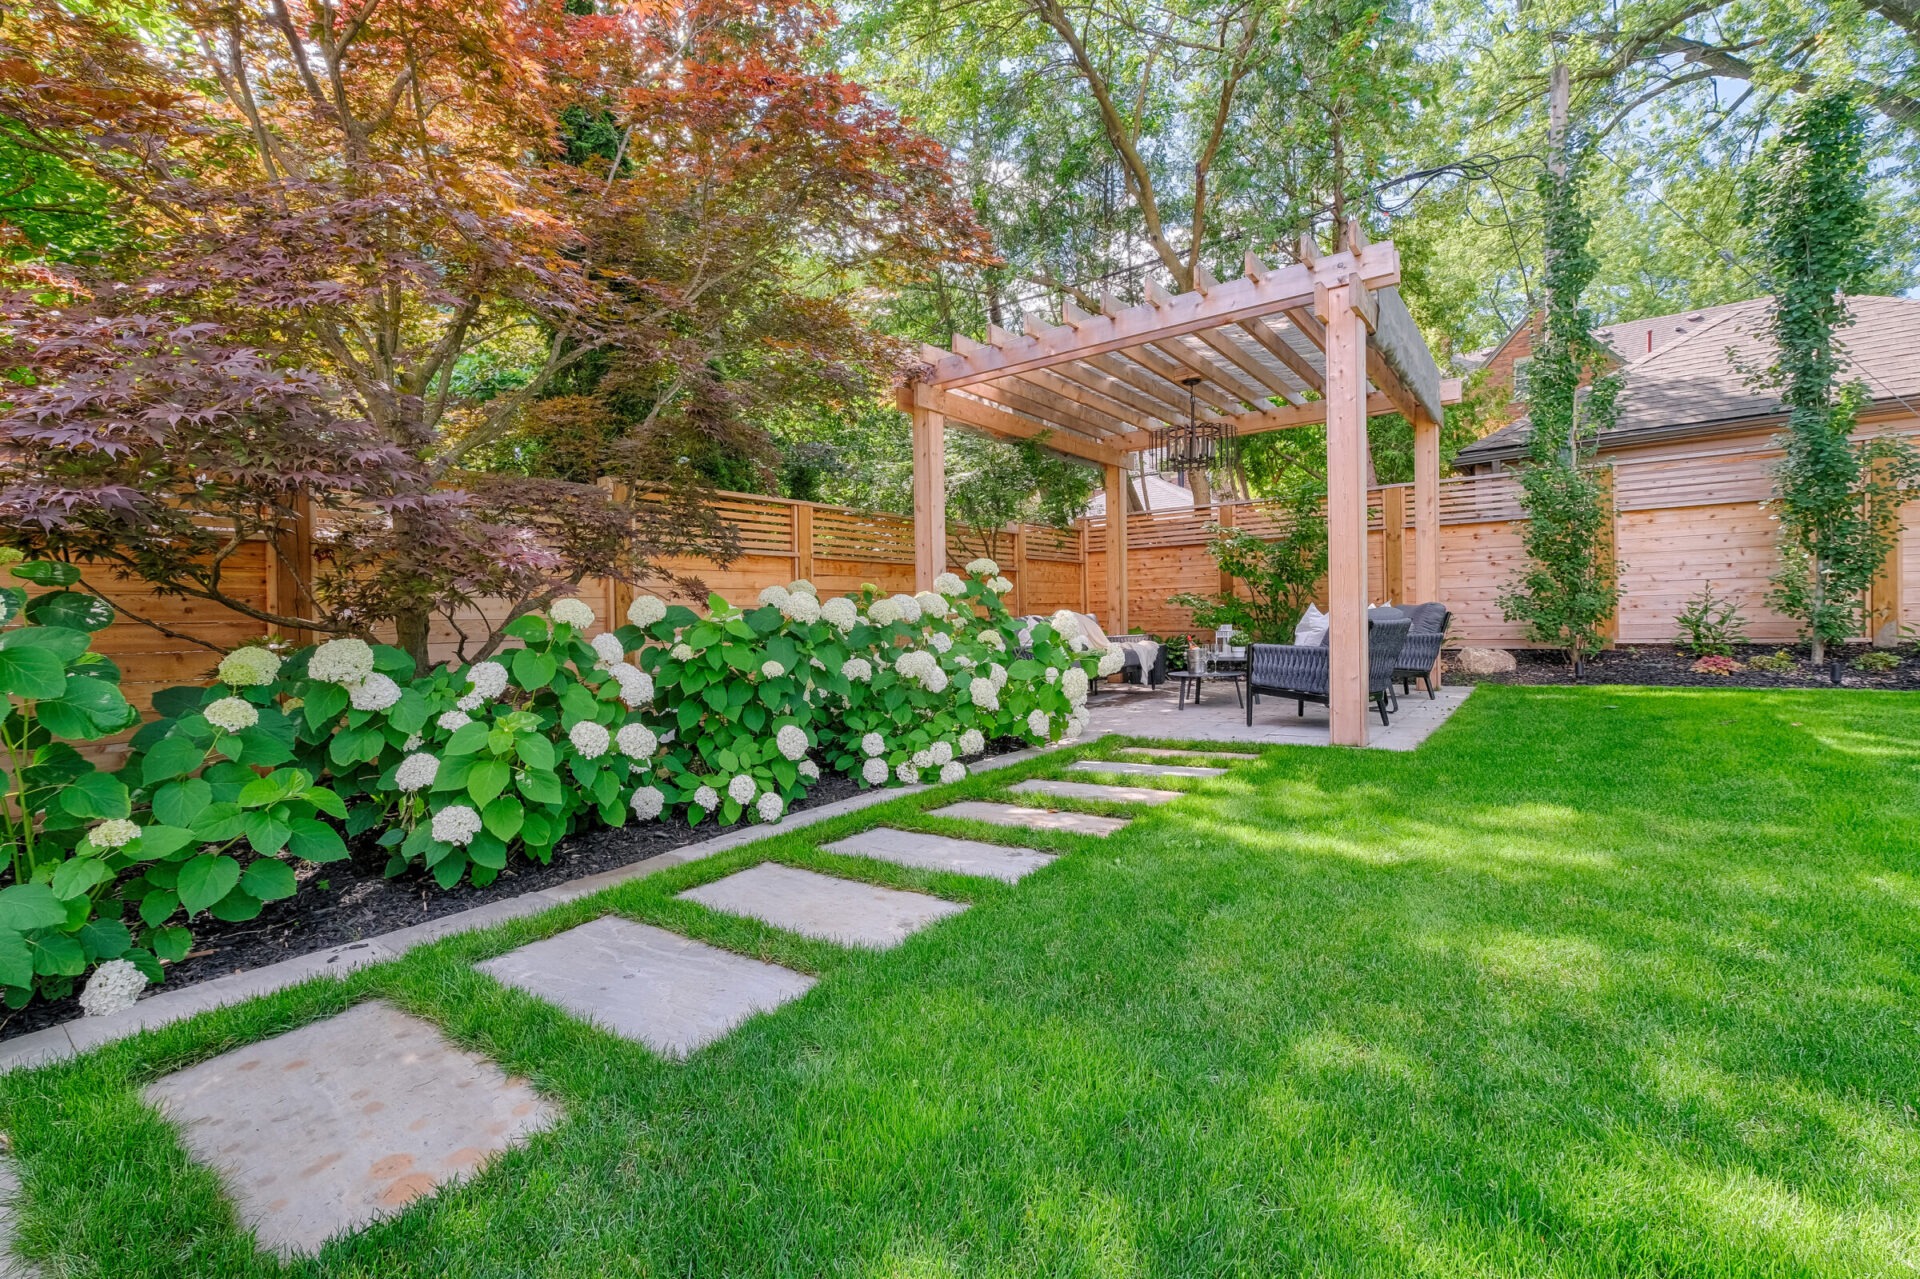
[{"x": 1301, "y": 672}]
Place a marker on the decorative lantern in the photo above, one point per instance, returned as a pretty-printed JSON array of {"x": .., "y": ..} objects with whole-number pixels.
[{"x": 1193, "y": 445}]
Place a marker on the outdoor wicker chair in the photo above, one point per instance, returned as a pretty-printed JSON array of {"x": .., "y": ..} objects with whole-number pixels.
[
  {"x": 1422, "y": 651},
  {"x": 1290, "y": 670}
]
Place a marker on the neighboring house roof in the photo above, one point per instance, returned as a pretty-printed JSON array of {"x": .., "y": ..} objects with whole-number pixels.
[
  {"x": 1630, "y": 340},
  {"x": 1700, "y": 381},
  {"x": 1162, "y": 495}
]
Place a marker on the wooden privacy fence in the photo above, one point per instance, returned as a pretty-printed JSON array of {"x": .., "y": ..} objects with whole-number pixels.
[{"x": 1686, "y": 514}]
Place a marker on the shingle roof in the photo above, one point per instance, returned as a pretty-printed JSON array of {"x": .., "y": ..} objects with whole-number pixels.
[
  {"x": 1700, "y": 382},
  {"x": 1162, "y": 495}
]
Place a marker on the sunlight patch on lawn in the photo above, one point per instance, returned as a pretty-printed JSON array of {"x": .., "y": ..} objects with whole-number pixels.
[{"x": 1563, "y": 962}]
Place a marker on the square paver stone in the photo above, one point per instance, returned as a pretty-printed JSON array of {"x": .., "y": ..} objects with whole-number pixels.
[
  {"x": 1094, "y": 790},
  {"x": 1143, "y": 770},
  {"x": 1032, "y": 818},
  {"x": 1167, "y": 752},
  {"x": 941, "y": 852},
  {"x": 327, "y": 1128},
  {"x": 823, "y": 906},
  {"x": 671, "y": 993}
]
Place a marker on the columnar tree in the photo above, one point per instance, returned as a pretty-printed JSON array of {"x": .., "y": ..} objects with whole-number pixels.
[{"x": 1837, "y": 500}]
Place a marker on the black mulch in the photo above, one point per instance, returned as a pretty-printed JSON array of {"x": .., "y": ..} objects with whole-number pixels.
[
  {"x": 1665, "y": 665},
  {"x": 347, "y": 901}
]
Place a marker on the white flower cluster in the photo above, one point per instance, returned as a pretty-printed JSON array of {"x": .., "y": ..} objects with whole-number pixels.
[
  {"x": 984, "y": 693},
  {"x": 999, "y": 585},
  {"x": 115, "y": 832},
  {"x": 708, "y": 798},
  {"x": 456, "y": 824},
  {"x": 681, "y": 652},
  {"x": 771, "y": 669},
  {"x": 883, "y": 612},
  {"x": 1037, "y": 723},
  {"x": 949, "y": 584},
  {"x": 791, "y": 741},
  {"x": 608, "y": 648},
  {"x": 809, "y": 770},
  {"x": 873, "y": 744},
  {"x": 923, "y": 668},
  {"x": 923, "y": 758},
  {"x": 589, "y": 739},
  {"x": 636, "y": 686},
  {"x": 250, "y": 667},
  {"x": 941, "y": 641},
  {"x": 575, "y": 613},
  {"x": 416, "y": 772},
  {"x": 486, "y": 681},
  {"x": 801, "y": 586},
  {"x": 800, "y": 607},
  {"x": 636, "y": 741},
  {"x": 1074, "y": 685},
  {"x": 376, "y": 692},
  {"x": 114, "y": 987},
  {"x": 941, "y": 753},
  {"x": 994, "y": 640},
  {"x": 907, "y": 773},
  {"x": 1053, "y": 676},
  {"x": 646, "y": 610},
  {"x": 1111, "y": 661},
  {"x": 972, "y": 742},
  {"x": 952, "y": 772},
  {"x": 648, "y": 803},
  {"x": 932, "y": 603},
  {"x": 874, "y": 772},
  {"x": 857, "y": 669},
  {"x": 982, "y": 567},
  {"x": 774, "y": 595},
  {"x": 341, "y": 661},
  {"x": 1065, "y": 624},
  {"x": 742, "y": 789},
  {"x": 840, "y": 612},
  {"x": 452, "y": 720},
  {"x": 232, "y": 715},
  {"x": 770, "y": 807}
]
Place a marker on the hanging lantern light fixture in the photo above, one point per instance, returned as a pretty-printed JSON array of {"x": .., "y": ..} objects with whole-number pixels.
[{"x": 1195, "y": 444}]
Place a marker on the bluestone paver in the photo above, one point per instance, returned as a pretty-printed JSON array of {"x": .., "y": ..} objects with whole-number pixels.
[
  {"x": 1166, "y": 752},
  {"x": 823, "y": 906},
  {"x": 671, "y": 993},
  {"x": 325, "y": 1129},
  {"x": 1132, "y": 769},
  {"x": 1093, "y": 790},
  {"x": 11, "y": 1265},
  {"x": 1032, "y": 818},
  {"x": 941, "y": 852}
]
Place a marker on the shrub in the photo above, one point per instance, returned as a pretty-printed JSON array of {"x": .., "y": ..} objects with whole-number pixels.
[
  {"x": 1710, "y": 624},
  {"x": 1280, "y": 576},
  {"x": 1778, "y": 662},
  {"x": 1716, "y": 664},
  {"x": 1878, "y": 661}
]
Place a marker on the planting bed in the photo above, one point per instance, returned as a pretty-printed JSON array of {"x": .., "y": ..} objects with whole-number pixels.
[{"x": 1664, "y": 665}]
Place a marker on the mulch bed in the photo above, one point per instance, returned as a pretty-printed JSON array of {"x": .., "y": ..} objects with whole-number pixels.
[
  {"x": 347, "y": 901},
  {"x": 1666, "y": 666}
]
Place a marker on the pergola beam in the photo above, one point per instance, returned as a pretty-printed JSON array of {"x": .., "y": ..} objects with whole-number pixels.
[
  {"x": 1309, "y": 414},
  {"x": 967, "y": 411}
]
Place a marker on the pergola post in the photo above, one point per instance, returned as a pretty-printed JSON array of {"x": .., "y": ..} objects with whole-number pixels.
[
  {"x": 929, "y": 496},
  {"x": 1346, "y": 514},
  {"x": 1426, "y": 513},
  {"x": 1116, "y": 618}
]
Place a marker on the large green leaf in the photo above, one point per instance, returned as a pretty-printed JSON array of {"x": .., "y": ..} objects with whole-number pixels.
[
  {"x": 504, "y": 816},
  {"x": 280, "y": 784},
  {"x": 324, "y": 704},
  {"x": 540, "y": 786},
  {"x": 181, "y": 803},
  {"x": 16, "y": 961},
  {"x": 104, "y": 939},
  {"x": 218, "y": 821},
  {"x": 529, "y": 628},
  {"x": 31, "y": 672},
  {"x": 28, "y": 906},
  {"x": 488, "y": 778},
  {"x": 468, "y": 738},
  {"x": 533, "y": 670},
  {"x": 170, "y": 758},
  {"x": 96, "y": 795},
  {"x": 77, "y": 875},
  {"x": 266, "y": 833},
  {"x": 158, "y": 841},
  {"x": 269, "y": 880},
  {"x": 315, "y": 841},
  {"x": 171, "y": 944},
  {"x": 75, "y": 610},
  {"x": 59, "y": 955},
  {"x": 534, "y": 751},
  {"x": 205, "y": 879},
  {"x": 47, "y": 573},
  {"x": 236, "y": 907},
  {"x": 12, "y": 600}
]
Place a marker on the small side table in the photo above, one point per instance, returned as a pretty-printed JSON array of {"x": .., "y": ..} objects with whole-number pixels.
[{"x": 1187, "y": 679}]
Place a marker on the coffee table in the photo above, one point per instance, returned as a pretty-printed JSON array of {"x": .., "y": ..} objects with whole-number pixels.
[{"x": 1187, "y": 679}]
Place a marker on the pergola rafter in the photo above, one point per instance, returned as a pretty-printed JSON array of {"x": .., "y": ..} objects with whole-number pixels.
[{"x": 1325, "y": 340}]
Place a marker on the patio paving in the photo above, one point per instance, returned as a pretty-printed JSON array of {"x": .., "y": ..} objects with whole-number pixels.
[
  {"x": 1032, "y": 818},
  {"x": 941, "y": 852},
  {"x": 329, "y": 1127},
  {"x": 1162, "y": 752},
  {"x": 823, "y": 906},
  {"x": 671, "y": 993},
  {"x": 1274, "y": 722},
  {"x": 1129, "y": 768},
  {"x": 1094, "y": 790},
  {"x": 11, "y": 1266}
]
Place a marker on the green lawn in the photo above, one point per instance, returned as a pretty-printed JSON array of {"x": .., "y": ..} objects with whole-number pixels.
[{"x": 1598, "y": 982}]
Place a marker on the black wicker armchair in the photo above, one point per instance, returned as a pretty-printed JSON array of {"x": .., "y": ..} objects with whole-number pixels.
[
  {"x": 1289, "y": 670},
  {"x": 1422, "y": 651}
]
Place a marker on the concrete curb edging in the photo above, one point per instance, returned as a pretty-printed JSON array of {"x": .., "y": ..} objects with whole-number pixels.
[{"x": 55, "y": 1043}]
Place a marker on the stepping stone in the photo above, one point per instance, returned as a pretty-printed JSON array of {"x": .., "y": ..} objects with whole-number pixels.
[
  {"x": 1032, "y": 818},
  {"x": 823, "y": 906},
  {"x": 1143, "y": 770},
  {"x": 327, "y": 1128},
  {"x": 940, "y": 852},
  {"x": 1159, "y": 752},
  {"x": 671, "y": 993},
  {"x": 11, "y": 1266},
  {"x": 1092, "y": 790}
]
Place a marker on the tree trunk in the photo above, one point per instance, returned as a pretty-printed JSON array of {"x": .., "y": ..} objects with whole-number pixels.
[{"x": 411, "y": 627}]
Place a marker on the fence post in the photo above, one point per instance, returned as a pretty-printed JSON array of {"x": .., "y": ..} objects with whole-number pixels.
[
  {"x": 1611, "y": 627},
  {"x": 293, "y": 565},
  {"x": 1883, "y": 596},
  {"x": 1228, "y": 513},
  {"x": 1086, "y": 552},
  {"x": 803, "y": 541},
  {"x": 1393, "y": 544},
  {"x": 1020, "y": 568}
]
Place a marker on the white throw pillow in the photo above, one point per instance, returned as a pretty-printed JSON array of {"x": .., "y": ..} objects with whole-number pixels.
[{"x": 1313, "y": 625}]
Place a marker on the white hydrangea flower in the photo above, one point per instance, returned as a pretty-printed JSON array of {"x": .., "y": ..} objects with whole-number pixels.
[
  {"x": 999, "y": 585},
  {"x": 935, "y": 681},
  {"x": 964, "y": 662},
  {"x": 772, "y": 669},
  {"x": 488, "y": 679},
  {"x": 941, "y": 641},
  {"x": 972, "y": 742},
  {"x": 589, "y": 739},
  {"x": 250, "y": 667},
  {"x": 857, "y": 669},
  {"x": 994, "y": 640},
  {"x": 791, "y": 741},
  {"x": 232, "y": 714},
  {"x": 952, "y": 771},
  {"x": 114, "y": 987},
  {"x": 115, "y": 832},
  {"x": 774, "y": 595},
  {"x": 873, "y": 744},
  {"x": 942, "y": 752},
  {"x": 801, "y": 608},
  {"x": 770, "y": 807},
  {"x": 982, "y": 567},
  {"x": 607, "y": 647},
  {"x": 840, "y": 612},
  {"x": 984, "y": 693},
  {"x": 682, "y": 652},
  {"x": 412, "y": 743},
  {"x": 456, "y": 824},
  {"x": 874, "y": 772},
  {"x": 708, "y": 798},
  {"x": 949, "y": 584},
  {"x": 743, "y": 788},
  {"x": 932, "y": 603},
  {"x": 636, "y": 686},
  {"x": 1037, "y": 723},
  {"x": 416, "y": 772},
  {"x": 1074, "y": 685},
  {"x": 801, "y": 586},
  {"x": 923, "y": 758},
  {"x": 1065, "y": 624},
  {"x": 884, "y": 612},
  {"x": 907, "y": 773},
  {"x": 1080, "y": 644},
  {"x": 809, "y": 770},
  {"x": 1111, "y": 661},
  {"x": 906, "y": 606},
  {"x": 341, "y": 661},
  {"x": 646, "y": 610},
  {"x": 470, "y": 702},
  {"x": 648, "y": 803},
  {"x": 636, "y": 741},
  {"x": 998, "y": 674},
  {"x": 575, "y": 613},
  {"x": 374, "y": 693},
  {"x": 451, "y": 720}
]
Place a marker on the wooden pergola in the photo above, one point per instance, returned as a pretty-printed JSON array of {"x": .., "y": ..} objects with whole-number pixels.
[{"x": 1325, "y": 340}]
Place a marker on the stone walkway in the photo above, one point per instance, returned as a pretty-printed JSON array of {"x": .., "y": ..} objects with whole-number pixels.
[
  {"x": 325, "y": 1129},
  {"x": 1275, "y": 721}
]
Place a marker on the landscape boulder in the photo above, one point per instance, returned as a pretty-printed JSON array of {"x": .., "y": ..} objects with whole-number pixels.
[{"x": 1481, "y": 661}]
